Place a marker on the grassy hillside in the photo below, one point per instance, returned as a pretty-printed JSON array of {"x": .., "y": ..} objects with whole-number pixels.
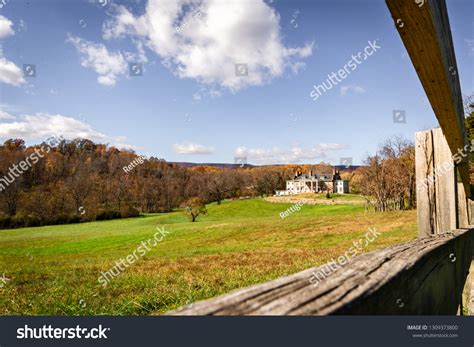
[{"x": 54, "y": 270}]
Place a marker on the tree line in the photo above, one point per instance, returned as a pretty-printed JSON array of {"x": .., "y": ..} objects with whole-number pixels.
[{"x": 80, "y": 180}]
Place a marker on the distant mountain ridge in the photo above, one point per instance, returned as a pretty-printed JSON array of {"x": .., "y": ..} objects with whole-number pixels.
[
  {"x": 216, "y": 165},
  {"x": 341, "y": 168}
]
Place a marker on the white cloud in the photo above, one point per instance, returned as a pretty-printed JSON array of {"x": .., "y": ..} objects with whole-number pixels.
[
  {"x": 5, "y": 115},
  {"x": 192, "y": 148},
  {"x": 352, "y": 88},
  {"x": 41, "y": 126},
  {"x": 121, "y": 142},
  {"x": 296, "y": 154},
  {"x": 109, "y": 66},
  {"x": 207, "y": 46},
  {"x": 10, "y": 73},
  {"x": 5, "y": 27}
]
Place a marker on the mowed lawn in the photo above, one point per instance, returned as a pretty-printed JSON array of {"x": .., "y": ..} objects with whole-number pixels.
[
  {"x": 54, "y": 270},
  {"x": 335, "y": 197}
]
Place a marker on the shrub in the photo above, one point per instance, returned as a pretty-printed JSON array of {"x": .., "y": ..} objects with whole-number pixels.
[
  {"x": 32, "y": 220},
  {"x": 129, "y": 211},
  {"x": 106, "y": 215},
  {"x": 5, "y": 221},
  {"x": 193, "y": 207}
]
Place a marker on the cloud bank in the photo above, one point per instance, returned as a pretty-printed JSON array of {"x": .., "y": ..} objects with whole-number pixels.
[
  {"x": 295, "y": 154},
  {"x": 204, "y": 40}
]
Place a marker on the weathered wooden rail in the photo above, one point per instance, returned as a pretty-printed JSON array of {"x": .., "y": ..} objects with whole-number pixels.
[
  {"x": 426, "y": 34},
  {"x": 424, "y": 276}
]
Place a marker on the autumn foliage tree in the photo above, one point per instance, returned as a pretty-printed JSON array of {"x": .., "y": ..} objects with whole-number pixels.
[
  {"x": 388, "y": 177},
  {"x": 80, "y": 180}
]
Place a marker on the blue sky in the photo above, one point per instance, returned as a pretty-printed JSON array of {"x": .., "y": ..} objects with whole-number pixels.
[{"x": 189, "y": 105}]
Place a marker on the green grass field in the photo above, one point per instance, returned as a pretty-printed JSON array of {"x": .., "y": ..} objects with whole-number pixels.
[
  {"x": 54, "y": 270},
  {"x": 320, "y": 197},
  {"x": 336, "y": 197}
]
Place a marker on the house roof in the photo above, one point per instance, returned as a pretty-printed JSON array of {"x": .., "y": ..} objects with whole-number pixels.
[
  {"x": 325, "y": 177},
  {"x": 317, "y": 177}
]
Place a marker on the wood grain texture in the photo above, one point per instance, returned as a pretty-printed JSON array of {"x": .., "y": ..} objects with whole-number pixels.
[
  {"x": 426, "y": 34},
  {"x": 425, "y": 185},
  {"x": 445, "y": 184},
  {"x": 425, "y": 276},
  {"x": 441, "y": 207},
  {"x": 463, "y": 207}
]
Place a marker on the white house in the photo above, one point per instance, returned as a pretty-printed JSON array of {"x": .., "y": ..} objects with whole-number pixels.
[{"x": 317, "y": 183}]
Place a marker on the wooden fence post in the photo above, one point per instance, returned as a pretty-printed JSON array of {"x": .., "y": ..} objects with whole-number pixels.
[
  {"x": 463, "y": 205},
  {"x": 441, "y": 200},
  {"x": 425, "y": 191}
]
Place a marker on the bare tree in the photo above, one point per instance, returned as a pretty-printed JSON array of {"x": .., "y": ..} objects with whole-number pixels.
[{"x": 389, "y": 176}]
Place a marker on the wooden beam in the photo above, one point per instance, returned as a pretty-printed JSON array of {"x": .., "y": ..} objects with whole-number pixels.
[
  {"x": 426, "y": 34},
  {"x": 424, "y": 276}
]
